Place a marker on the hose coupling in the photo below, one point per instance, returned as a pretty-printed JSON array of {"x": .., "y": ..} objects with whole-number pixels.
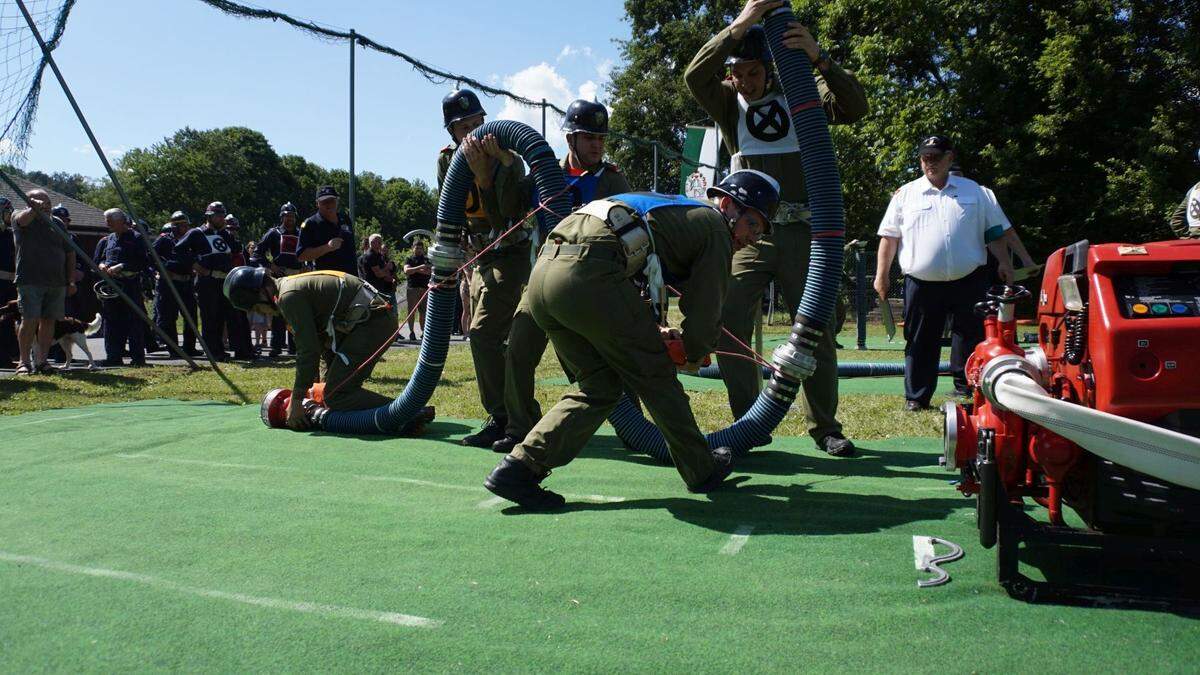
[
  {"x": 1000, "y": 366},
  {"x": 796, "y": 363}
]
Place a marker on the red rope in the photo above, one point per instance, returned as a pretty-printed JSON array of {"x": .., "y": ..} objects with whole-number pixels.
[
  {"x": 413, "y": 310},
  {"x": 754, "y": 356}
]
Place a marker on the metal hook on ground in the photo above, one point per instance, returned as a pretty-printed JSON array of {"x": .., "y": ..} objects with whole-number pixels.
[{"x": 926, "y": 561}]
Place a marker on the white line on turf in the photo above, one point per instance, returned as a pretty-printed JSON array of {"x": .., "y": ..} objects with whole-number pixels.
[
  {"x": 273, "y": 603},
  {"x": 737, "y": 540},
  {"x": 922, "y": 551},
  {"x": 50, "y": 419},
  {"x": 604, "y": 499},
  {"x": 489, "y": 503}
]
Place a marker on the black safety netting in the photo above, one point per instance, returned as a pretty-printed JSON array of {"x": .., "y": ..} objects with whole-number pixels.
[{"x": 23, "y": 67}]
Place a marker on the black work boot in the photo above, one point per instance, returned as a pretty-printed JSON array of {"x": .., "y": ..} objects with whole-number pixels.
[
  {"x": 513, "y": 480},
  {"x": 724, "y": 460},
  {"x": 491, "y": 432},
  {"x": 837, "y": 445},
  {"x": 506, "y": 444}
]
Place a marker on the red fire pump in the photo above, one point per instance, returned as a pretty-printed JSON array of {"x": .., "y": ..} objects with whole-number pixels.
[{"x": 1103, "y": 415}]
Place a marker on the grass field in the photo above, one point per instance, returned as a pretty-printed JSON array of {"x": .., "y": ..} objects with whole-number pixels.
[{"x": 142, "y": 532}]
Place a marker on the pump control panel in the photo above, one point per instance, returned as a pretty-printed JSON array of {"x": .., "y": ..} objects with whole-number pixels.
[{"x": 1172, "y": 295}]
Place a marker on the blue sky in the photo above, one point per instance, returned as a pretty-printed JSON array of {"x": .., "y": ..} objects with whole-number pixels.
[{"x": 142, "y": 69}]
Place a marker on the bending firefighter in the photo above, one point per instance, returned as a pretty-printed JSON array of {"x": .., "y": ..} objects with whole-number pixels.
[
  {"x": 581, "y": 293},
  {"x": 335, "y": 318},
  {"x": 731, "y": 78},
  {"x": 588, "y": 177}
]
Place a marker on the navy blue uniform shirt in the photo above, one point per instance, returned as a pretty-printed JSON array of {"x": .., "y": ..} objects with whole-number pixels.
[
  {"x": 127, "y": 249},
  {"x": 317, "y": 232},
  {"x": 279, "y": 247},
  {"x": 212, "y": 249}
]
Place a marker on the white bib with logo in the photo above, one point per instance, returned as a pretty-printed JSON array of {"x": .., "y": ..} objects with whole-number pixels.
[
  {"x": 765, "y": 127},
  {"x": 217, "y": 243}
]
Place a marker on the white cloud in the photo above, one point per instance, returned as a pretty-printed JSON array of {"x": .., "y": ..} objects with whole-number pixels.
[
  {"x": 542, "y": 82},
  {"x": 604, "y": 69},
  {"x": 111, "y": 153},
  {"x": 569, "y": 51}
]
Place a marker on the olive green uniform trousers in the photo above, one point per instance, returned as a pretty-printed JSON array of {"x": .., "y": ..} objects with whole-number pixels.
[
  {"x": 358, "y": 345},
  {"x": 495, "y": 292},
  {"x": 606, "y": 336},
  {"x": 783, "y": 256}
]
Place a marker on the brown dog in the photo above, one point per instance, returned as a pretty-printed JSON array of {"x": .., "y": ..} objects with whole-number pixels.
[{"x": 68, "y": 332}]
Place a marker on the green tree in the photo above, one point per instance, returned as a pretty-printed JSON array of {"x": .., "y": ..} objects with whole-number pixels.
[{"x": 1083, "y": 115}]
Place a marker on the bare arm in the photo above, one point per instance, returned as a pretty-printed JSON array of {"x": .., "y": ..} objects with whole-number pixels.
[
  {"x": 1015, "y": 243},
  {"x": 883, "y": 264}
]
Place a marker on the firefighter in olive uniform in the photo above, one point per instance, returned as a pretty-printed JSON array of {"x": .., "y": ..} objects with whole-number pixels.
[
  {"x": 753, "y": 116},
  {"x": 1185, "y": 221},
  {"x": 335, "y": 318},
  {"x": 581, "y": 293},
  {"x": 588, "y": 178},
  {"x": 494, "y": 204}
]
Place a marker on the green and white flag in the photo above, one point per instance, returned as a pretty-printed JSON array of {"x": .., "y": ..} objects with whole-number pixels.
[{"x": 700, "y": 145}]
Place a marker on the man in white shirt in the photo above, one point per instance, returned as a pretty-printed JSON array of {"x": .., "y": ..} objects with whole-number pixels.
[{"x": 942, "y": 226}]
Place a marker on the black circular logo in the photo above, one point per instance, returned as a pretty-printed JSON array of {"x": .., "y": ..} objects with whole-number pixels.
[
  {"x": 220, "y": 245},
  {"x": 768, "y": 121}
]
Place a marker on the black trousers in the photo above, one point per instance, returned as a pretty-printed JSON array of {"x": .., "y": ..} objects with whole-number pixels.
[
  {"x": 281, "y": 336},
  {"x": 167, "y": 311},
  {"x": 926, "y": 306},
  {"x": 123, "y": 327},
  {"x": 217, "y": 317}
]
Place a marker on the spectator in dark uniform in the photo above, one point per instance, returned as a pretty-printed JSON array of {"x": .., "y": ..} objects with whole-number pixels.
[
  {"x": 210, "y": 249},
  {"x": 238, "y": 332},
  {"x": 417, "y": 269},
  {"x": 125, "y": 260},
  {"x": 8, "y": 289},
  {"x": 277, "y": 252},
  {"x": 327, "y": 237},
  {"x": 179, "y": 275},
  {"x": 377, "y": 270}
]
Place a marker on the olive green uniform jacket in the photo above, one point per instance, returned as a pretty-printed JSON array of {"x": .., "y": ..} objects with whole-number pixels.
[
  {"x": 306, "y": 302},
  {"x": 605, "y": 334},
  {"x": 499, "y": 276},
  {"x": 527, "y": 342},
  {"x": 783, "y": 256},
  {"x": 1179, "y": 219}
]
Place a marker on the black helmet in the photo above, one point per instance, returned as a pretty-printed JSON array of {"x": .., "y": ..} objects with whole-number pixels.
[
  {"x": 459, "y": 105},
  {"x": 60, "y": 212},
  {"x": 587, "y": 116},
  {"x": 180, "y": 218},
  {"x": 215, "y": 208},
  {"x": 242, "y": 286},
  {"x": 167, "y": 228},
  {"x": 753, "y": 47},
  {"x": 752, "y": 189},
  {"x": 286, "y": 209},
  {"x": 232, "y": 222}
]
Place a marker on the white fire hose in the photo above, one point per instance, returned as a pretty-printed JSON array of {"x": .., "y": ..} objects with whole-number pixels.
[{"x": 1011, "y": 383}]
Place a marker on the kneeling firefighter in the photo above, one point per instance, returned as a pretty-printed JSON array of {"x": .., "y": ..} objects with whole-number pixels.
[
  {"x": 335, "y": 317},
  {"x": 581, "y": 293}
]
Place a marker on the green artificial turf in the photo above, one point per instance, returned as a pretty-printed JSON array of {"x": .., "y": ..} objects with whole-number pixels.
[
  {"x": 847, "y": 385},
  {"x": 166, "y": 535}
]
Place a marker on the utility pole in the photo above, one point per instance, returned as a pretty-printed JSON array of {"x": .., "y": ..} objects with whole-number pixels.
[{"x": 353, "y": 44}]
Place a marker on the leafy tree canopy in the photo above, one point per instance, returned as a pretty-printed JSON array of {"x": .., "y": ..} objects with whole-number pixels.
[{"x": 1083, "y": 115}]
